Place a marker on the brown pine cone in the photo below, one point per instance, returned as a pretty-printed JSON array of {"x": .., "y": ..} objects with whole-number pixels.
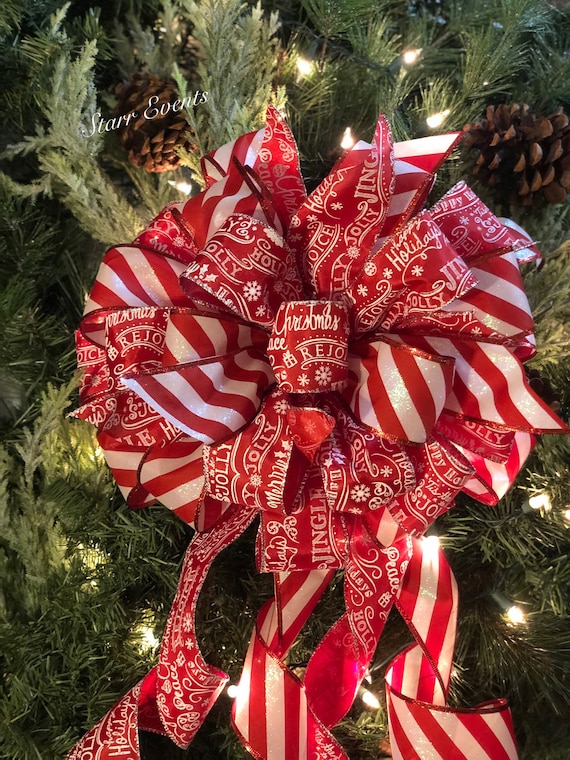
[
  {"x": 153, "y": 123},
  {"x": 521, "y": 154}
]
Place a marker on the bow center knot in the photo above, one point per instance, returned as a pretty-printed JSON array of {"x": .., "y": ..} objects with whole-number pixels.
[{"x": 308, "y": 348}]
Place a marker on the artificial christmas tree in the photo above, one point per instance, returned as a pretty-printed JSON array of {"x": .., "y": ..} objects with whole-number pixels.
[{"x": 87, "y": 584}]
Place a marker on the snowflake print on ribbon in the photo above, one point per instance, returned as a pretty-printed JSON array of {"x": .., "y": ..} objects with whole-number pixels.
[
  {"x": 252, "y": 290},
  {"x": 360, "y": 493},
  {"x": 323, "y": 375},
  {"x": 281, "y": 406}
]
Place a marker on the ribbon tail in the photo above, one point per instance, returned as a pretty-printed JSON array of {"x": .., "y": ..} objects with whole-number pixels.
[
  {"x": 339, "y": 664},
  {"x": 422, "y": 726},
  {"x": 175, "y": 697},
  {"x": 271, "y": 714},
  {"x": 187, "y": 686},
  {"x": 116, "y": 735}
]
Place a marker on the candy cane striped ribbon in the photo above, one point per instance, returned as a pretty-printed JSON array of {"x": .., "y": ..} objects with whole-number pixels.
[
  {"x": 422, "y": 727},
  {"x": 271, "y": 713}
]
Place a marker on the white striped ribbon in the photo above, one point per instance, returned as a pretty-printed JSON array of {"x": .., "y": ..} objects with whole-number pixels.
[
  {"x": 398, "y": 391},
  {"x": 271, "y": 714},
  {"x": 422, "y": 727}
]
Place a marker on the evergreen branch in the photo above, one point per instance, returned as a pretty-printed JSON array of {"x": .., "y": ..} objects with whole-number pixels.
[
  {"x": 549, "y": 297},
  {"x": 90, "y": 196},
  {"x": 141, "y": 48},
  {"x": 10, "y": 15},
  {"x": 239, "y": 56},
  {"x": 376, "y": 42},
  {"x": 491, "y": 60},
  {"x": 155, "y": 191},
  {"x": 27, "y": 519},
  {"x": 67, "y": 152},
  {"x": 334, "y": 17}
]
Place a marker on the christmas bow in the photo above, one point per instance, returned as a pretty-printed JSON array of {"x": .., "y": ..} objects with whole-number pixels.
[{"x": 342, "y": 365}]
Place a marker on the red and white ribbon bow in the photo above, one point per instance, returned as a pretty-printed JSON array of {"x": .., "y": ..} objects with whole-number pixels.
[{"x": 342, "y": 365}]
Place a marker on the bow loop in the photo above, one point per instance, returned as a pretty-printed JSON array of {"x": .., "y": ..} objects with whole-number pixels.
[
  {"x": 245, "y": 268},
  {"x": 416, "y": 272},
  {"x": 334, "y": 230},
  {"x": 308, "y": 348}
]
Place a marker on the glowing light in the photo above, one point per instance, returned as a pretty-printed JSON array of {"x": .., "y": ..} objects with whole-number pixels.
[
  {"x": 347, "y": 139},
  {"x": 370, "y": 699},
  {"x": 411, "y": 56},
  {"x": 540, "y": 501},
  {"x": 92, "y": 556},
  {"x": 183, "y": 187},
  {"x": 567, "y": 515},
  {"x": 432, "y": 541},
  {"x": 515, "y": 615},
  {"x": 431, "y": 546},
  {"x": 437, "y": 119},
  {"x": 97, "y": 456},
  {"x": 232, "y": 691},
  {"x": 148, "y": 639},
  {"x": 304, "y": 66}
]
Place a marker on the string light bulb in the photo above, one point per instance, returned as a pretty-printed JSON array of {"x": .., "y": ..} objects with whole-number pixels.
[
  {"x": 411, "y": 56},
  {"x": 431, "y": 547},
  {"x": 149, "y": 641},
  {"x": 369, "y": 699},
  {"x": 437, "y": 119},
  {"x": 347, "y": 139},
  {"x": 567, "y": 515},
  {"x": 183, "y": 187},
  {"x": 537, "y": 501},
  {"x": 91, "y": 556},
  {"x": 513, "y": 613},
  {"x": 232, "y": 690},
  {"x": 304, "y": 66}
]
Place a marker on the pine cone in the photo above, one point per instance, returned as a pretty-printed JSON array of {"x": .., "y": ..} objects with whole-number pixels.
[
  {"x": 522, "y": 152},
  {"x": 157, "y": 126}
]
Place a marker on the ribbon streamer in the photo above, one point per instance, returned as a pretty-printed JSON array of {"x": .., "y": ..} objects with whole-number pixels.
[
  {"x": 341, "y": 365},
  {"x": 417, "y": 681}
]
